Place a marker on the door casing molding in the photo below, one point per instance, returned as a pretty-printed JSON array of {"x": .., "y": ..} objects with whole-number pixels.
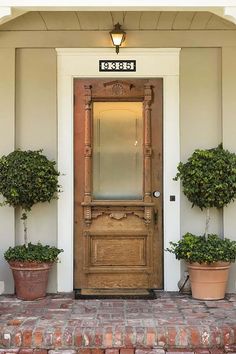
[{"x": 150, "y": 63}]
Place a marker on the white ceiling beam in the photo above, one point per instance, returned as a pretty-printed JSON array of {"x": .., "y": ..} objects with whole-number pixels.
[
  {"x": 115, "y": 6},
  {"x": 95, "y": 4},
  {"x": 5, "y": 11},
  {"x": 9, "y": 13},
  {"x": 228, "y": 13}
]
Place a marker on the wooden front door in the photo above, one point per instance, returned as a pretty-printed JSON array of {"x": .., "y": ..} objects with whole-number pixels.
[{"x": 118, "y": 167}]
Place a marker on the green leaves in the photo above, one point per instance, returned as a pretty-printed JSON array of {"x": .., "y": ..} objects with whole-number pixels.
[
  {"x": 209, "y": 180},
  {"x": 32, "y": 253},
  {"x": 209, "y": 177},
  {"x": 194, "y": 248},
  {"x": 27, "y": 178}
]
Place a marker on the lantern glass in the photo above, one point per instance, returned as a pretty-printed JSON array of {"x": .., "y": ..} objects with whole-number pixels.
[{"x": 117, "y": 38}]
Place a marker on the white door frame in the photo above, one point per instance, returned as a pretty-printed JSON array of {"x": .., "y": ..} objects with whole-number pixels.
[{"x": 150, "y": 63}]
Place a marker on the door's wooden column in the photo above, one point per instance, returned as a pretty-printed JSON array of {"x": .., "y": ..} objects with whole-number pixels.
[
  {"x": 147, "y": 151},
  {"x": 87, "y": 154}
]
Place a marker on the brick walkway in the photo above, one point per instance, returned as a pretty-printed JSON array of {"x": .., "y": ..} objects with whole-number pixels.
[{"x": 59, "y": 324}]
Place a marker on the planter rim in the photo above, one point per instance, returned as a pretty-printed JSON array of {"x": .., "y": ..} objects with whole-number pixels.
[
  {"x": 31, "y": 266},
  {"x": 213, "y": 265}
]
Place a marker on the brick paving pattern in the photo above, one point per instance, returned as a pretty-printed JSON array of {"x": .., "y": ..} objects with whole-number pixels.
[{"x": 172, "y": 323}]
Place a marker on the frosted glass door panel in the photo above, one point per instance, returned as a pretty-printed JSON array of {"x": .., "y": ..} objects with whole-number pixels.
[{"x": 117, "y": 150}]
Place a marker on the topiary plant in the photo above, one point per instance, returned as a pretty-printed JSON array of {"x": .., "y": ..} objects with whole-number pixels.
[
  {"x": 209, "y": 179},
  {"x": 27, "y": 178}
]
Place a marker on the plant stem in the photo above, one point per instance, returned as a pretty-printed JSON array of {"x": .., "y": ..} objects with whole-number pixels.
[
  {"x": 24, "y": 218},
  {"x": 207, "y": 222}
]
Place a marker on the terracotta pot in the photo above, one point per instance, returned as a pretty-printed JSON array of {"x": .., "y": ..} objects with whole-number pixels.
[
  {"x": 208, "y": 281},
  {"x": 31, "y": 279}
]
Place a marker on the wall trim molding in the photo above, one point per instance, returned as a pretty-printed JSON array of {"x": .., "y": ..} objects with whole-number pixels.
[
  {"x": 83, "y": 63},
  {"x": 96, "y": 39}
]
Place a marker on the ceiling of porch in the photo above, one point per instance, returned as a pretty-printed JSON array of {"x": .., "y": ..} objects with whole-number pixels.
[{"x": 131, "y": 20}]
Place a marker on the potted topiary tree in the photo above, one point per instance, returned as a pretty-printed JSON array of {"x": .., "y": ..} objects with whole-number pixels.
[
  {"x": 209, "y": 181},
  {"x": 27, "y": 178}
]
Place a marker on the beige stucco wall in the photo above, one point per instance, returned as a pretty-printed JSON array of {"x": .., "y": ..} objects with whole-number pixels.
[
  {"x": 207, "y": 80},
  {"x": 229, "y": 138},
  {"x": 200, "y": 121},
  {"x": 207, "y": 117},
  {"x": 7, "y": 144},
  {"x": 36, "y": 128}
]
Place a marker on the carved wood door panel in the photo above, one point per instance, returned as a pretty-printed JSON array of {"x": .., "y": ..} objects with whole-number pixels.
[{"x": 118, "y": 166}]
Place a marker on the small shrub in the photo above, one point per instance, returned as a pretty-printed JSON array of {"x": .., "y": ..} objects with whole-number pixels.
[
  {"x": 200, "y": 249},
  {"x": 27, "y": 178},
  {"x": 209, "y": 177},
  {"x": 33, "y": 253}
]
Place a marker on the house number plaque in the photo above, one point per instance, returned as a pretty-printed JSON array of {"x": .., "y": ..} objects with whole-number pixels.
[{"x": 117, "y": 65}]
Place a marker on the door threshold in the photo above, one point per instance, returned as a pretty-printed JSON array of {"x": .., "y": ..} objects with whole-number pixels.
[{"x": 146, "y": 294}]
